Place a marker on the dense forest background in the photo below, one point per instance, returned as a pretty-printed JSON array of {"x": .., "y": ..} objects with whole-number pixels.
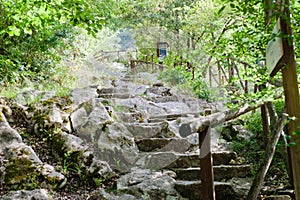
[
  {"x": 37, "y": 37},
  {"x": 44, "y": 44}
]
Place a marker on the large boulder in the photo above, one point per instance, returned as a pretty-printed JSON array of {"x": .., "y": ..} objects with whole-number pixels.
[
  {"x": 149, "y": 130},
  {"x": 80, "y": 95},
  {"x": 89, "y": 118},
  {"x": 7, "y": 134},
  {"x": 117, "y": 146},
  {"x": 73, "y": 149},
  {"x": 147, "y": 185},
  {"x": 43, "y": 114}
]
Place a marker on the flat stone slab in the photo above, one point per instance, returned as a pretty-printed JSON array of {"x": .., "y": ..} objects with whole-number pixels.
[
  {"x": 163, "y": 144},
  {"x": 170, "y": 117},
  {"x": 192, "y": 190},
  {"x": 149, "y": 130},
  {"x": 171, "y": 160},
  {"x": 220, "y": 172},
  {"x": 164, "y": 99},
  {"x": 40, "y": 194},
  {"x": 115, "y": 95},
  {"x": 111, "y": 90},
  {"x": 193, "y": 160}
]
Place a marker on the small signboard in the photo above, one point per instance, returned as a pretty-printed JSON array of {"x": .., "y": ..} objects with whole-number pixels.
[
  {"x": 275, "y": 52},
  {"x": 162, "y": 50}
]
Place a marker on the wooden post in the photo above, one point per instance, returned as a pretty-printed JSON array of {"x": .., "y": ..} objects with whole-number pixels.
[
  {"x": 246, "y": 81},
  {"x": 265, "y": 119},
  {"x": 291, "y": 91},
  {"x": 193, "y": 72},
  {"x": 219, "y": 74},
  {"x": 132, "y": 66},
  {"x": 210, "y": 77},
  {"x": 206, "y": 166},
  {"x": 152, "y": 60},
  {"x": 266, "y": 124},
  {"x": 147, "y": 63}
]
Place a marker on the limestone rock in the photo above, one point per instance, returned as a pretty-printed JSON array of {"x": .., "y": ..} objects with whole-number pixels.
[
  {"x": 242, "y": 133},
  {"x": 7, "y": 134},
  {"x": 32, "y": 95},
  {"x": 148, "y": 185},
  {"x": 157, "y": 91},
  {"x": 149, "y": 130},
  {"x": 40, "y": 194},
  {"x": 100, "y": 169},
  {"x": 103, "y": 195},
  {"x": 89, "y": 118},
  {"x": 63, "y": 142},
  {"x": 175, "y": 107},
  {"x": 80, "y": 95},
  {"x": 24, "y": 167},
  {"x": 73, "y": 146},
  {"x": 117, "y": 146}
]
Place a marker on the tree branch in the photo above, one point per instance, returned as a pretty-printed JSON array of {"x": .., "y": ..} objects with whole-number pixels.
[{"x": 270, "y": 151}]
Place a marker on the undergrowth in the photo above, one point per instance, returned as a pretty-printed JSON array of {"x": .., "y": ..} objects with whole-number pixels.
[
  {"x": 253, "y": 150},
  {"x": 181, "y": 78}
]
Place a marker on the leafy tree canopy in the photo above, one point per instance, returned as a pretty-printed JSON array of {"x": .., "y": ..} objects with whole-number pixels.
[{"x": 30, "y": 30}]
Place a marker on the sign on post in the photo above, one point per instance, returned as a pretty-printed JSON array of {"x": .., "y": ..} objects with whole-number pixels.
[
  {"x": 162, "y": 50},
  {"x": 275, "y": 51}
]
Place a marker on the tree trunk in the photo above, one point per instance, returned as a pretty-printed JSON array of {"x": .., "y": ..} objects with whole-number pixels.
[{"x": 291, "y": 92}]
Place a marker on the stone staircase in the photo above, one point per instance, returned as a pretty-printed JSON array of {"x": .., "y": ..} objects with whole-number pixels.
[
  {"x": 160, "y": 148},
  {"x": 168, "y": 154}
]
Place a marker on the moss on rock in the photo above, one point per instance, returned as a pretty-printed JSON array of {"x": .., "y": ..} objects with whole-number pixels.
[{"x": 20, "y": 173}]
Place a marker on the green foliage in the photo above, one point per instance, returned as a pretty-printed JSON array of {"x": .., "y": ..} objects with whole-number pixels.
[
  {"x": 279, "y": 106},
  {"x": 173, "y": 76},
  {"x": 179, "y": 75},
  {"x": 253, "y": 123},
  {"x": 201, "y": 90},
  {"x": 33, "y": 31}
]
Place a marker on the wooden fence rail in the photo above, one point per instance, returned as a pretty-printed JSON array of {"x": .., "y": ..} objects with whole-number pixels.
[
  {"x": 116, "y": 55},
  {"x": 145, "y": 66}
]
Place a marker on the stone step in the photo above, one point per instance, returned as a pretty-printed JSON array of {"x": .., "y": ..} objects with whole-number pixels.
[
  {"x": 220, "y": 172},
  {"x": 108, "y": 93},
  {"x": 192, "y": 190},
  {"x": 193, "y": 160},
  {"x": 127, "y": 79},
  {"x": 179, "y": 145},
  {"x": 115, "y": 95},
  {"x": 170, "y": 117},
  {"x": 149, "y": 130},
  {"x": 111, "y": 90},
  {"x": 164, "y": 99},
  {"x": 171, "y": 160}
]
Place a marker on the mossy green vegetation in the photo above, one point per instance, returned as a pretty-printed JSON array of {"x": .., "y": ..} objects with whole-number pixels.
[{"x": 20, "y": 173}]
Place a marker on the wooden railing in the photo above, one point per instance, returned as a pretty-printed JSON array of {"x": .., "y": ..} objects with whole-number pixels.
[{"x": 145, "y": 66}]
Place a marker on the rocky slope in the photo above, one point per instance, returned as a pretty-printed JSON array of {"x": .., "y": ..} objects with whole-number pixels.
[{"x": 118, "y": 140}]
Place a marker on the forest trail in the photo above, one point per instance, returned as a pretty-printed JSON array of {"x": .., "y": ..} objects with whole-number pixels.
[{"x": 117, "y": 132}]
